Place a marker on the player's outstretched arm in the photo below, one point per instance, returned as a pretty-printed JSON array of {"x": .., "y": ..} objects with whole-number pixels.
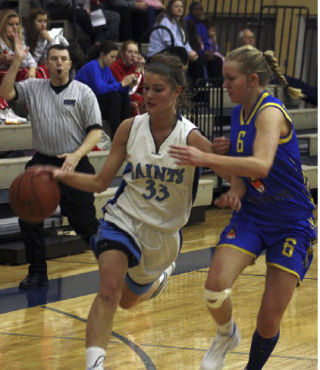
[
  {"x": 270, "y": 124},
  {"x": 199, "y": 141},
  {"x": 101, "y": 181}
]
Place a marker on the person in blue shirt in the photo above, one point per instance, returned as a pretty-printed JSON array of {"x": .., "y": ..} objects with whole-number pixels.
[
  {"x": 272, "y": 202},
  {"x": 199, "y": 40},
  {"x": 113, "y": 97}
]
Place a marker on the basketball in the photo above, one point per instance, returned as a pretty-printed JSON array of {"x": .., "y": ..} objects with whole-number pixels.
[{"x": 34, "y": 196}]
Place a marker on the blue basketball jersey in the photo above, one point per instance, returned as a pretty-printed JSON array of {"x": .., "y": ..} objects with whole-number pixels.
[{"x": 283, "y": 196}]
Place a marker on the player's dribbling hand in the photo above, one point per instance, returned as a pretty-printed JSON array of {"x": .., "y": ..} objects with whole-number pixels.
[{"x": 40, "y": 168}]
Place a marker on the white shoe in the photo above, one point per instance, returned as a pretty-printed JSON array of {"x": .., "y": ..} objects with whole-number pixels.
[
  {"x": 98, "y": 365},
  {"x": 2, "y": 116},
  {"x": 12, "y": 118},
  {"x": 164, "y": 280},
  {"x": 215, "y": 357}
]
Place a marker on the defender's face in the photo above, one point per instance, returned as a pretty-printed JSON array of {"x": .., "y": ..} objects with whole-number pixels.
[
  {"x": 235, "y": 82},
  {"x": 158, "y": 94}
]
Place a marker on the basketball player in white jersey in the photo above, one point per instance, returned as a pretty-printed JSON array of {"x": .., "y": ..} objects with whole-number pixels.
[{"x": 139, "y": 238}]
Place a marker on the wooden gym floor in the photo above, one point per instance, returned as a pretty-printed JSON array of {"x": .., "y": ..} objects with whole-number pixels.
[{"x": 45, "y": 328}]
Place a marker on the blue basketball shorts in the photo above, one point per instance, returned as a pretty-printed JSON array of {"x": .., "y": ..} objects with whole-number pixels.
[
  {"x": 110, "y": 236},
  {"x": 288, "y": 247}
]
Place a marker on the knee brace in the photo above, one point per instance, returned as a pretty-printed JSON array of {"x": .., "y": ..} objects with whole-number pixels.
[{"x": 217, "y": 297}]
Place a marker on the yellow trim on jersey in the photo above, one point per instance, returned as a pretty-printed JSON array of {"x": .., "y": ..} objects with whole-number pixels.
[
  {"x": 264, "y": 95},
  {"x": 284, "y": 112},
  {"x": 238, "y": 248},
  {"x": 285, "y": 269},
  {"x": 287, "y": 138},
  {"x": 273, "y": 104}
]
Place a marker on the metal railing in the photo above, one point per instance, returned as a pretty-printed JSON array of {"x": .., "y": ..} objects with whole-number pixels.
[{"x": 288, "y": 30}]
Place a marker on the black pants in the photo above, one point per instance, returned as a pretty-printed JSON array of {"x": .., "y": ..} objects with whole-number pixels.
[
  {"x": 115, "y": 107},
  {"x": 196, "y": 69},
  {"x": 76, "y": 205},
  {"x": 214, "y": 67},
  {"x": 66, "y": 12},
  {"x": 133, "y": 23}
]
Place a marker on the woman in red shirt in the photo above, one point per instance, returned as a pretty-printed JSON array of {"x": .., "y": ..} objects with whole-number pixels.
[{"x": 130, "y": 61}]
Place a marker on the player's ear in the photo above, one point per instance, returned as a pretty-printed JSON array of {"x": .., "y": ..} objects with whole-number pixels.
[
  {"x": 253, "y": 79},
  {"x": 178, "y": 90}
]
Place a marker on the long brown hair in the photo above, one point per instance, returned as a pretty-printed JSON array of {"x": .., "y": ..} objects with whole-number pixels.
[
  {"x": 5, "y": 15},
  {"x": 168, "y": 12},
  {"x": 171, "y": 67},
  {"x": 31, "y": 34}
]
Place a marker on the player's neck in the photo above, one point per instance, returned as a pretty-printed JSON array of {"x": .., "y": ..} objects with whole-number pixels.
[
  {"x": 168, "y": 120},
  {"x": 251, "y": 101}
]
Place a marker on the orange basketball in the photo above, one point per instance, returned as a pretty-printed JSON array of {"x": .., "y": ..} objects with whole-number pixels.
[{"x": 34, "y": 196}]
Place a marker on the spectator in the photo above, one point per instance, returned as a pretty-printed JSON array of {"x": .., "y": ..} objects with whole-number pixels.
[
  {"x": 133, "y": 17},
  {"x": 63, "y": 9},
  {"x": 125, "y": 65},
  {"x": 112, "y": 95},
  {"x": 10, "y": 24},
  {"x": 212, "y": 39},
  {"x": 199, "y": 40},
  {"x": 66, "y": 125},
  {"x": 36, "y": 35},
  {"x": 246, "y": 37},
  {"x": 110, "y": 30},
  {"x": 160, "y": 40}
]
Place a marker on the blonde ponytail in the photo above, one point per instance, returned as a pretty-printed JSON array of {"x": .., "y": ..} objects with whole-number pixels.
[{"x": 274, "y": 65}]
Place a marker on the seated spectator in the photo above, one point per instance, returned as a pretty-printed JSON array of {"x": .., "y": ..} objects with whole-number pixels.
[
  {"x": 133, "y": 17},
  {"x": 110, "y": 30},
  {"x": 112, "y": 95},
  {"x": 36, "y": 35},
  {"x": 137, "y": 16},
  {"x": 125, "y": 65},
  {"x": 246, "y": 37},
  {"x": 63, "y": 9},
  {"x": 10, "y": 24},
  {"x": 160, "y": 40},
  {"x": 199, "y": 40},
  {"x": 212, "y": 39}
]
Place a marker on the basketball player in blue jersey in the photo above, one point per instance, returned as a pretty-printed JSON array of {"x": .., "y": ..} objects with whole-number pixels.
[
  {"x": 273, "y": 206},
  {"x": 139, "y": 238}
]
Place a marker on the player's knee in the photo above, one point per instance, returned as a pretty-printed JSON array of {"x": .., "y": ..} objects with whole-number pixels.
[
  {"x": 109, "y": 294},
  {"x": 216, "y": 299},
  {"x": 126, "y": 304}
]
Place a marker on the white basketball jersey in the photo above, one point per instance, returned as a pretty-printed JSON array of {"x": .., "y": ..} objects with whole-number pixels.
[{"x": 155, "y": 190}]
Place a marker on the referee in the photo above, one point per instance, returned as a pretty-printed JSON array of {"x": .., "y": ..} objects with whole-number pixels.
[{"x": 66, "y": 125}]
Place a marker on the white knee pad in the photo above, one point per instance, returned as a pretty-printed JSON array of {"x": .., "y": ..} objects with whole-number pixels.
[{"x": 217, "y": 297}]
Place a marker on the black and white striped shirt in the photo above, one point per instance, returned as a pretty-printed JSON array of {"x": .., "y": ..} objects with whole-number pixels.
[{"x": 60, "y": 120}]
